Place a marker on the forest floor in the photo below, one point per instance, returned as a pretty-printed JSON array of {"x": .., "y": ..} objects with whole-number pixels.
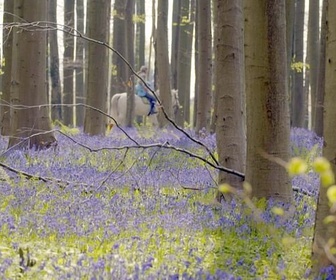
[{"x": 94, "y": 211}]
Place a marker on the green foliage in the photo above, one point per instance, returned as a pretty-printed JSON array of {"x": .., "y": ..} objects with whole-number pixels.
[
  {"x": 299, "y": 66},
  {"x": 65, "y": 129},
  {"x": 139, "y": 18}
]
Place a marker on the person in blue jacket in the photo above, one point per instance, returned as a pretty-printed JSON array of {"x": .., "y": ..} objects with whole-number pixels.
[{"x": 142, "y": 91}]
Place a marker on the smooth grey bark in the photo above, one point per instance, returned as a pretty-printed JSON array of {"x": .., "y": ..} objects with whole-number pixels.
[
  {"x": 267, "y": 109},
  {"x": 204, "y": 66},
  {"x": 79, "y": 66},
  {"x": 140, "y": 34},
  {"x": 129, "y": 36},
  {"x": 182, "y": 115},
  {"x": 299, "y": 100},
  {"x": 313, "y": 53},
  {"x": 321, "y": 74},
  {"x": 325, "y": 232},
  {"x": 30, "y": 128},
  {"x": 96, "y": 95},
  {"x": 229, "y": 87},
  {"x": 176, "y": 23},
  {"x": 56, "y": 91},
  {"x": 68, "y": 64},
  {"x": 290, "y": 15},
  {"x": 7, "y": 43},
  {"x": 163, "y": 61},
  {"x": 196, "y": 58},
  {"x": 119, "y": 78}
]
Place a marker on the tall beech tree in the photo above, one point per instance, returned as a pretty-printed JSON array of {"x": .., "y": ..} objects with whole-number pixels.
[
  {"x": 140, "y": 36},
  {"x": 129, "y": 43},
  {"x": 68, "y": 63},
  {"x": 299, "y": 100},
  {"x": 290, "y": 13},
  {"x": 313, "y": 53},
  {"x": 184, "y": 61},
  {"x": 118, "y": 73},
  {"x": 267, "y": 108},
  {"x": 320, "y": 89},
  {"x": 30, "y": 128},
  {"x": 56, "y": 94},
  {"x": 325, "y": 232},
  {"x": 79, "y": 67},
  {"x": 229, "y": 68},
  {"x": 96, "y": 95},
  {"x": 175, "y": 27},
  {"x": 163, "y": 60},
  {"x": 203, "y": 113},
  {"x": 6, "y": 79}
]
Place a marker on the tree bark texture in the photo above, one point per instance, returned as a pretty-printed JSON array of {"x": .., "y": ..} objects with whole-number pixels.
[
  {"x": 267, "y": 99},
  {"x": 56, "y": 94},
  {"x": 163, "y": 61},
  {"x": 318, "y": 124},
  {"x": 118, "y": 79},
  {"x": 30, "y": 128},
  {"x": 184, "y": 52},
  {"x": 79, "y": 69},
  {"x": 313, "y": 53},
  {"x": 299, "y": 100},
  {"x": 7, "y": 78},
  {"x": 204, "y": 66},
  {"x": 98, "y": 29},
  {"x": 140, "y": 34},
  {"x": 324, "y": 232},
  {"x": 176, "y": 24},
  {"x": 229, "y": 87},
  {"x": 68, "y": 64},
  {"x": 129, "y": 36}
]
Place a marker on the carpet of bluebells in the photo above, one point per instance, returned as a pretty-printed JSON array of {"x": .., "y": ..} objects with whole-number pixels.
[{"x": 97, "y": 210}]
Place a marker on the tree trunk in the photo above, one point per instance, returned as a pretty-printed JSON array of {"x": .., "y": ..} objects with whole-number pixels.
[
  {"x": 324, "y": 232},
  {"x": 152, "y": 44},
  {"x": 118, "y": 79},
  {"x": 79, "y": 70},
  {"x": 215, "y": 3},
  {"x": 7, "y": 79},
  {"x": 229, "y": 68},
  {"x": 140, "y": 42},
  {"x": 30, "y": 128},
  {"x": 163, "y": 61},
  {"x": 196, "y": 57},
  {"x": 299, "y": 101},
  {"x": 140, "y": 34},
  {"x": 266, "y": 98},
  {"x": 321, "y": 74},
  {"x": 56, "y": 96},
  {"x": 313, "y": 54},
  {"x": 129, "y": 36},
  {"x": 184, "y": 62},
  {"x": 68, "y": 63},
  {"x": 98, "y": 29},
  {"x": 290, "y": 15},
  {"x": 176, "y": 25},
  {"x": 204, "y": 65}
]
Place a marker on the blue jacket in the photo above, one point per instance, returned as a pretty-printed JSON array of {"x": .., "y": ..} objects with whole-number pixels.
[{"x": 139, "y": 90}]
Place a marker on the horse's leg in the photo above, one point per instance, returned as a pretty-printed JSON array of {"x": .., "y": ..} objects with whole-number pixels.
[{"x": 153, "y": 120}]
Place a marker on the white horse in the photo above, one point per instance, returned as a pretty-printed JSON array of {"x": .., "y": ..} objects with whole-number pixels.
[{"x": 141, "y": 107}]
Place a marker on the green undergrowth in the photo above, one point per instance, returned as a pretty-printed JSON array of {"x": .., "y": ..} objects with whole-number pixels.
[{"x": 180, "y": 249}]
